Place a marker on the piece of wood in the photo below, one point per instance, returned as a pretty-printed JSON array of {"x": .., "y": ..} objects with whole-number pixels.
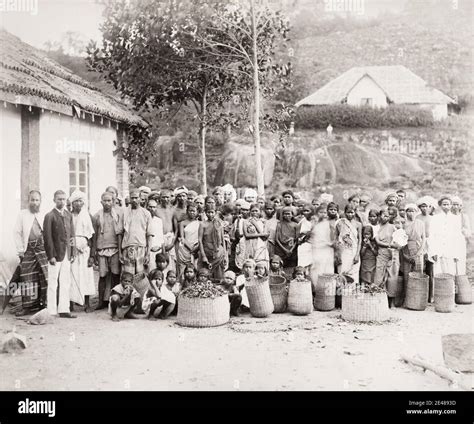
[
  {"x": 442, "y": 372},
  {"x": 458, "y": 351}
]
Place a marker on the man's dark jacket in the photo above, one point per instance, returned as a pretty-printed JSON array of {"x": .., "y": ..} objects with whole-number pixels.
[{"x": 58, "y": 231}]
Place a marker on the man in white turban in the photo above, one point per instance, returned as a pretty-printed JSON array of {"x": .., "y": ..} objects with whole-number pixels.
[
  {"x": 250, "y": 195},
  {"x": 82, "y": 274},
  {"x": 230, "y": 194}
]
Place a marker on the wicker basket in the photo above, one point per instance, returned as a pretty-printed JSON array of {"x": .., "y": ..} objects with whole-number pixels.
[
  {"x": 260, "y": 299},
  {"x": 279, "y": 292},
  {"x": 463, "y": 290},
  {"x": 364, "y": 307},
  {"x": 325, "y": 292},
  {"x": 203, "y": 312},
  {"x": 416, "y": 291},
  {"x": 300, "y": 297},
  {"x": 444, "y": 292}
]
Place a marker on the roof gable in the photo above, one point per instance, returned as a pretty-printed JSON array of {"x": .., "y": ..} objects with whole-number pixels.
[
  {"x": 28, "y": 76},
  {"x": 398, "y": 82}
]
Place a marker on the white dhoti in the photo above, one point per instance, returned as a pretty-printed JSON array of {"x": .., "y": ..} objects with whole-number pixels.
[
  {"x": 82, "y": 276},
  {"x": 59, "y": 275}
]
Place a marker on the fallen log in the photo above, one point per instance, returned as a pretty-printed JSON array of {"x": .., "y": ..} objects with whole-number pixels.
[{"x": 440, "y": 371}]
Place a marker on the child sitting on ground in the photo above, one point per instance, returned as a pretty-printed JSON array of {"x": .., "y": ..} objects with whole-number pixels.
[
  {"x": 159, "y": 302},
  {"x": 235, "y": 299},
  {"x": 123, "y": 298},
  {"x": 174, "y": 287},
  {"x": 203, "y": 275}
]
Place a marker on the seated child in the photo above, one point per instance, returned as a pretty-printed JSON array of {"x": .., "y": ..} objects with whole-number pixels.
[
  {"x": 123, "y": 298},
  {"x": 203, "y": 275},
  {"x": 173, "y": 287},
  {"x": 248, "y": 269},
  {"x": 159, "y": 301},
  {"x": 235, "y": 299},
  {"x": 189, "y": 276},
  {"x": 162, "y": 262}
]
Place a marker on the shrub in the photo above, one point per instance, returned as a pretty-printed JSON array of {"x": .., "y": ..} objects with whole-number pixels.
[{"x": 346, "y": 116}]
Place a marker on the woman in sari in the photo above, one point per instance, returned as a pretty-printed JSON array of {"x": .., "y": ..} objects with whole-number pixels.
[
  {"x": 286, "y": 240},
  {"x": 212, "y": 245},
  {"x": 256, "y": 236},
  {"x": 412, "y": 253},
  {"x": 348, "y": 242},
  {"x": 188, "y": 240},
  {"x": 322, "y": 243},
  {"x": 305, "y": 254}
]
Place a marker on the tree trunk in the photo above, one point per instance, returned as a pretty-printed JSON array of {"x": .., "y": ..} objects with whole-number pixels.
[
  {"x": 256, "y": 108},
  {"x": 202, "y": 143}
]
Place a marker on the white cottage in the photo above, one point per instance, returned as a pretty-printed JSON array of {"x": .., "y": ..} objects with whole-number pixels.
[
  {"x": 379, "y": 86},
  {"x": 57, "y": 131}
]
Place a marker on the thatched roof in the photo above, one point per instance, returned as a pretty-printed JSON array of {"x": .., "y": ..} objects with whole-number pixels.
[
  {"x": 29, "y": 77},
  {"x": 400, "y": 85}
]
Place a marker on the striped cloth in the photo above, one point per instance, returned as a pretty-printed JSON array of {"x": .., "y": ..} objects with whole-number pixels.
[
  {"x": 34, "y": 275},
  {"x": 133, "y": 257}
]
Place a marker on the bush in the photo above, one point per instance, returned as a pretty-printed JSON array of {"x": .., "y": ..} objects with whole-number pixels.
[{"x": 346, "y": 116}]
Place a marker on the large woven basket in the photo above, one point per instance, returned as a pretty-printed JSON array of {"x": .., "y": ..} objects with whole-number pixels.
[
  {"x": 279, "y": 292},
  {"x": 260, "y": 299},
  {"x": 444, "y": 292},
  {"x": 364, "y": 307},
  {"x": 416, "y": 291},
  {"x": 203, "y": 312},
  {"x": 300, "y": 297},
  {"x": 463, "y": 290},
  {"x": 325, "y": 292}
]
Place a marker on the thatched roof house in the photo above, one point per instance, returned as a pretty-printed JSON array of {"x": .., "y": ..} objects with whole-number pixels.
[
  {"x": 57, "y": 132},
  {"x": 380, "y": 86}
]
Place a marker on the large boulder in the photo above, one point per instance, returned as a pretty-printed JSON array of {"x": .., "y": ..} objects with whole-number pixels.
[{"x": 237, "y": 165}]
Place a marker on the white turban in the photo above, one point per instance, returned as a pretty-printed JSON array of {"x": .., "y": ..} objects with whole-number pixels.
[
  {"x": 77, "y": 195},
  {"x": 428, "y": 200},
  {"x": 145, "y": 189},
  {"x": 228, "y": 188},
  {"x": 250, "y": 192},
  {"x": 180, "y": 190},
  {"x": 456, "y": 199}
]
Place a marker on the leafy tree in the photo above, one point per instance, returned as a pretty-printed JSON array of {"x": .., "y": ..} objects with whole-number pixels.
[{"x": 163, "y": 54}]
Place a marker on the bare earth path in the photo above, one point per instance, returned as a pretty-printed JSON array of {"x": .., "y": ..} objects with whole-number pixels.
[{"x": 282, "y": 352}]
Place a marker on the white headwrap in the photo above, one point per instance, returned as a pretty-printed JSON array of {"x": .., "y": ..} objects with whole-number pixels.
[
  {"x": 228, "y": 188},
  {"x": 145, "y": 189},
  {"x": 180, "y": 190},
  {"x": 77, "y": 195},
  {"x": 456, "y": 199},
  {"x": 430, "y": 201},
  {"x": 250, "y": 192}
]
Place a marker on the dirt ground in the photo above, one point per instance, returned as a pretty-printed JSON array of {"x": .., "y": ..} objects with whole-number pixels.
[{"x": 283, "y": 352}]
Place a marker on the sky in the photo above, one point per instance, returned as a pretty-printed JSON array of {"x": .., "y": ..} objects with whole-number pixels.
[{"x": 38, "y": 21}]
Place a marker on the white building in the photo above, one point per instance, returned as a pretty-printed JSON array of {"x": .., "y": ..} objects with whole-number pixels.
[
  {"x": 57, "y": 131},
  {"x": 380, "y": 86}
]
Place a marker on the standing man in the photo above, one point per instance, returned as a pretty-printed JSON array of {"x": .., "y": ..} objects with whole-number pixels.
[
  {"x": 32, "y": 272},
  {"x": 107, "y": 245},
  {"x": 59, "y": 245},
  {"x": 165, "y": 211},
  {"x": 157, "y": 230},
  {"x": 82, "y": 274},
  {"x": 137, "y": 236}
]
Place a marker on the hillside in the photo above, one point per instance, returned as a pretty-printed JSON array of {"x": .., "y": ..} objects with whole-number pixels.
[{"x": 435, "y": 42}]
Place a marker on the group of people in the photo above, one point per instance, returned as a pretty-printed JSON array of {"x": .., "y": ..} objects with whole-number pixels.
[{"x": 161, "y": 242}]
